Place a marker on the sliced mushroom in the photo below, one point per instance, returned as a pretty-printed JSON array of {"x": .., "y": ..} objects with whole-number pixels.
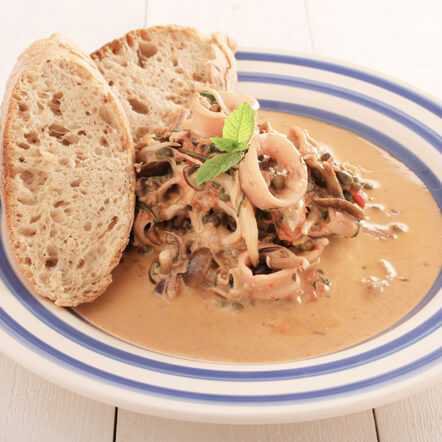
[
  {"x": 155, "y": 168},
  {"x": 154, "y": 272},
  {"x": 324, "y": 175},
  {"x": 339, "y": 224},
  {"x": 341, "y": 205},
  {"x": 332, "y": 182},
  {"x": 170, "y": 287},
  {"x": 198, "y": 267},
  {"x": 143, "y": 226},
  {"x": 232, "y": 217},
  {"x": 144, "y": 154}
]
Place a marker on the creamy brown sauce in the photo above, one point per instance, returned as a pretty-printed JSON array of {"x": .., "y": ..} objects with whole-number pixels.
[{"x": 198, "y": 326}]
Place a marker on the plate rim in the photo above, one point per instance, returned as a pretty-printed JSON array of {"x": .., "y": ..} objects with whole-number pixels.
[
  {"x": 56, "y": 375},
  {"x": 357, "y": 68},
  {"x": 38, "y": 364}
]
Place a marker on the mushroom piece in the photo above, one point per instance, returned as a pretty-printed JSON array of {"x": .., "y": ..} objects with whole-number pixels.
[
  {"x": 171, "y": 286},
  {"x": 198, "y": 267},
  {"x": 339, "y": 224},
  {"x": 341, "y": 205},
  {"x": 325, "y": 174},
  {"x": 171, "y": 197},
  {"x": 233, "y": 233},
  {"x": 154, "y": 272},
  {"x": 145, "y": 154},
  {"x": 331, "y": 180},
  {"x": 252, "y": 180},
  {"x": 155, "y": 168},
  {"x": 143, "y": 228}
]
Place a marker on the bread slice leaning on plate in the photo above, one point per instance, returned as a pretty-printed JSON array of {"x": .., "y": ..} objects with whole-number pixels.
[
  {"x": 67, "y": 174},
  {"x": 155, "y": 71}
]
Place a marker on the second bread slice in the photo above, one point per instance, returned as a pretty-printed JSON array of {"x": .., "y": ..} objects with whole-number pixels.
[{"x": 155, "y": 71}]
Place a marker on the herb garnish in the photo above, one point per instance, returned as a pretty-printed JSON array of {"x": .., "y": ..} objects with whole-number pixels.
[{"x": 239, "y": 127}]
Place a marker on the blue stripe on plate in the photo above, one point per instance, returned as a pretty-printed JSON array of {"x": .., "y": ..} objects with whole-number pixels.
[
  {"x": 387, "y": 143},
  {"x": 364, "y": 100},
  {"x": 402, "y": 342},
  {"x": 49, "y": 352},
  {"x": 383, "y": 83}
]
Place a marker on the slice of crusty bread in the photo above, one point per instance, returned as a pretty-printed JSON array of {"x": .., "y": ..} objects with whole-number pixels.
[
  {"x": 67, "y": 174},
  {"x": 155, "y": 71}
]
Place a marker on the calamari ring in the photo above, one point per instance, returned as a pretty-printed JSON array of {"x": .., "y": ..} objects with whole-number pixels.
[{"x": 284, "y": 152}]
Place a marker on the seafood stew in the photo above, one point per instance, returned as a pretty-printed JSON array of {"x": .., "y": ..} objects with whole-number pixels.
[{"x": 358, "y": 272}]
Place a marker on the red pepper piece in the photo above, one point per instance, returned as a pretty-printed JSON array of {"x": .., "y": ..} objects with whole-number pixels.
[{"x": 358, "y": 199}]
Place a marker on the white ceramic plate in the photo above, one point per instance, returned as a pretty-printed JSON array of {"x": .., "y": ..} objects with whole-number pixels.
[{"x": 66, "y": 350}]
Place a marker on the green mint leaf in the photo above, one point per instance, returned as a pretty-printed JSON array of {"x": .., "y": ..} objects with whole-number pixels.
[
  {"x": 240, "y": 147},
  {"x": 240, "y": 124},
  {"x": 224, "y": 144},
  {"x": 239, "y": 127},
  {"x": 216, "y": 166}
]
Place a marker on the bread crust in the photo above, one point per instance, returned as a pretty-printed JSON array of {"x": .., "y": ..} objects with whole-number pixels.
[{"x": 56, "y": 47}]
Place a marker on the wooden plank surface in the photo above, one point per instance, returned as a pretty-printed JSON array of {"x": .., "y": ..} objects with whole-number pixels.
[
  {"x": 33, "y": 410},
  {"x": 138, "y": 428},
  {"x": 417, "y": 419},
  {"x": 397, "y": 37}
]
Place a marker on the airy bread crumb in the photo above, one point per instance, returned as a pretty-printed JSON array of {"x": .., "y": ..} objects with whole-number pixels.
[
  {"x": 155, "y": 71},
  {"x": 68, "y": 180}
]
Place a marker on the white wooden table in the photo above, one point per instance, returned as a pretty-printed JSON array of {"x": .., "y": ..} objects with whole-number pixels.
[{"x": 401, "y": 38}]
